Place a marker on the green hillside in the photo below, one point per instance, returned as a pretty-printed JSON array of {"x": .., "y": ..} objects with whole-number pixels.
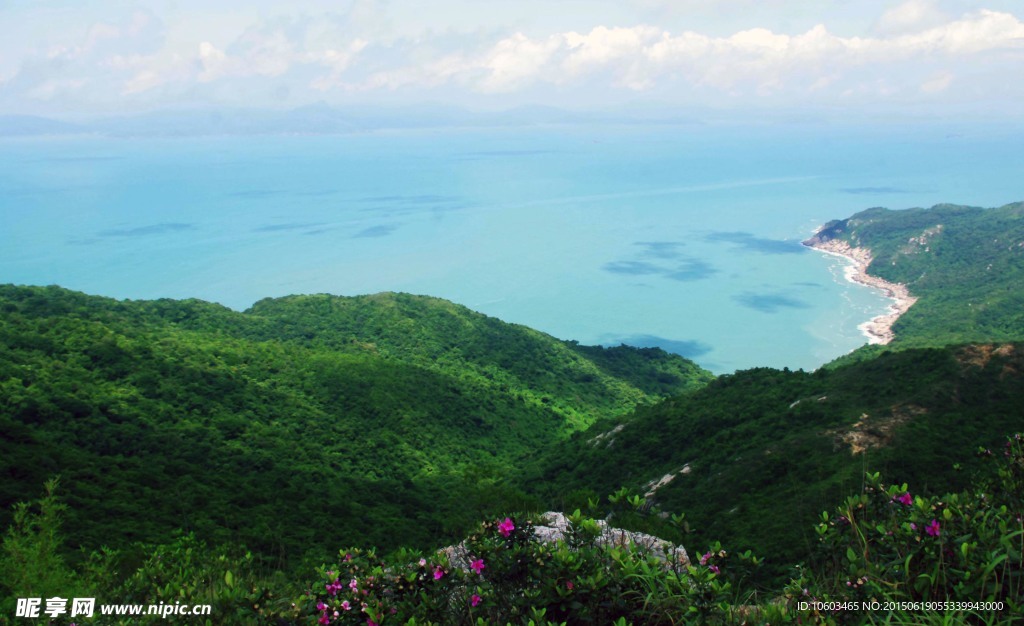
[
  {"x": 312, "y": 423},
  {"x": 300, "y": 425},
  {"x": 728, "y": 454},
  {"x": 753, "y": 458},
  {"x": 965, "y": 264}
]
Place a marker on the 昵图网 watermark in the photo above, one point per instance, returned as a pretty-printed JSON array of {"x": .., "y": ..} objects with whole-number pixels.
[{"x": 86, "y": 607}]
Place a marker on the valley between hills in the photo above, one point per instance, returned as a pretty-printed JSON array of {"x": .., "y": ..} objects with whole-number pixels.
[{"x": 184, "y": 432}]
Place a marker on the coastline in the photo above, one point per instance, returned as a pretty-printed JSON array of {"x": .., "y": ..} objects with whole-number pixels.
[{"x": 878, "y": 329}]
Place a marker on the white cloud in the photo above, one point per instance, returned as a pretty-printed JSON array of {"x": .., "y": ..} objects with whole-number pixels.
[
  {"x": 337, "y": 61},
  {"x": 754, "y": 62},
  {"x": 977, "y": 32},
  {"x": 910, "y": 16},
  {"x": 915, "y": 50},
  {"x": 213, "y": 61},
  {"x": 515, "y": 60}
]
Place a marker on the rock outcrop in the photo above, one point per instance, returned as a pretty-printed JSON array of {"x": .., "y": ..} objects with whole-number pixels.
[{"x": 553, "y": 526}]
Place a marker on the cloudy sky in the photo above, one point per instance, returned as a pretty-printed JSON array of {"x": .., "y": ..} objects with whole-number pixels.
[{"x": 88, "y": 57}]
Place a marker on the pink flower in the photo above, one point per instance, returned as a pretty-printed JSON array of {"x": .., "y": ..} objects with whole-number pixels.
[
  {"x": 569, "y": 585},
  {"x": 714, "y": 568},
  {"x": 320, "y": 606},
  {"x": 475, "y": 600},
  {"x": 438, "y": 573},
  {"x": 423, "y": 562},
  {"x": 477, "y": 566},
  {"x": 913, "y": 526},
  {"x": 370, "y": 622},
  {"x": 705, "y": 558},
  {"x": 334, "y": 587},
  {"x": 353, "y": 584},
  {"x": 324, "y": 619},
  {"x": 345, "y": 605},
  {"x": 933, "y": 528},
  {"x": 505, "y": 528},
  {"x": 906, "y": 499}
]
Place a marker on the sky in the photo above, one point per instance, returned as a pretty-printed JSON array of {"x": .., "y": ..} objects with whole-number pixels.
[{"x": 942, "y": 58}]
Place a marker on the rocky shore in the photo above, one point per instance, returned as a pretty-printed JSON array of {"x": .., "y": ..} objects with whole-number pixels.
[{"x": 878, "y": 330}]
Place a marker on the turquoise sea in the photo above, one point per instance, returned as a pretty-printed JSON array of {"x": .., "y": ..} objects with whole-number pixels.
[{"x": 684, "y": 237}]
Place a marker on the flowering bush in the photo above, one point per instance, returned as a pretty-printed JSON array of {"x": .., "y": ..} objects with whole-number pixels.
[
  {"x": 504, "y": 574},
  {"x": 888, "y": 544}
]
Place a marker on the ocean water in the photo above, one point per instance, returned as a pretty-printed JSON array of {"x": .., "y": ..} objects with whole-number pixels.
[{"x": 683, "y": 237}]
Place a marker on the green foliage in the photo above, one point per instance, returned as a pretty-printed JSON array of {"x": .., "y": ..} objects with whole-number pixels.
[
  {"x": 504, "y": 574},
  {"x": 737, "y": 448},
  {"x": 965, "y": 264},
  {"x": 184, "y": 571},
  {"x": 308, "y": 421},
  {"x": 886, "y": 544},
  {"x": 31, "y": 562},
  {"x": 394, "y": 420},
  {"x": 881, "y": 558},
  {"x": 884, "y": 547},
  {"x": 188, "y": 572}
]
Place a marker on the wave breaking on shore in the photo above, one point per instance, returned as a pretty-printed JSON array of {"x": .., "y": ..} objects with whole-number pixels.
[{"x": 878, "y": 329}]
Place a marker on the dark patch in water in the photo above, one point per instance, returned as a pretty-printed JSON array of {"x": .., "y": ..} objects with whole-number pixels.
[
  {"x": 685, "y": 270},
  {"x": 661, "y": 249},
  {"x": 383, "y": 230},
  {"x": 141, "y": 231},
  {"x": 692, "y": 269},
  {"x": 769, "y": 302},
  {"x": 687, "y": 348},
  {"x": 633, "y": 268},
  {"x": 758, "y": 244}
]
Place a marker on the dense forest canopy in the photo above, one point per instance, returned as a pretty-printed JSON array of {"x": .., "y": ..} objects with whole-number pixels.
[
  {"x": 303, "y": 423},
  {"x": 309, "y": 423},
  {"x": 964, "y": 264}
]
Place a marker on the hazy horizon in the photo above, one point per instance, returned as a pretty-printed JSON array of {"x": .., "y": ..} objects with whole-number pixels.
[{"x": 876, "y": 60}]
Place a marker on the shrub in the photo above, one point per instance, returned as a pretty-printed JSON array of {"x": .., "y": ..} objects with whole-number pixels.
[{"x": 890, "y": 545}]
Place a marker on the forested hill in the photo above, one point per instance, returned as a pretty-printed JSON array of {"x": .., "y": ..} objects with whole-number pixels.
[
  {"x": 965, "y": 265},
  {"x": 303, "y": 424},
  {"x": 728, "y": 455},
  {"x": 444, "y": 336},
  {"x": 753, "y": 458}
]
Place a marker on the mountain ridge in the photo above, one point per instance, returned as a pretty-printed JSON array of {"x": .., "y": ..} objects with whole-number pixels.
[{"x": 129, "y": 399}]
